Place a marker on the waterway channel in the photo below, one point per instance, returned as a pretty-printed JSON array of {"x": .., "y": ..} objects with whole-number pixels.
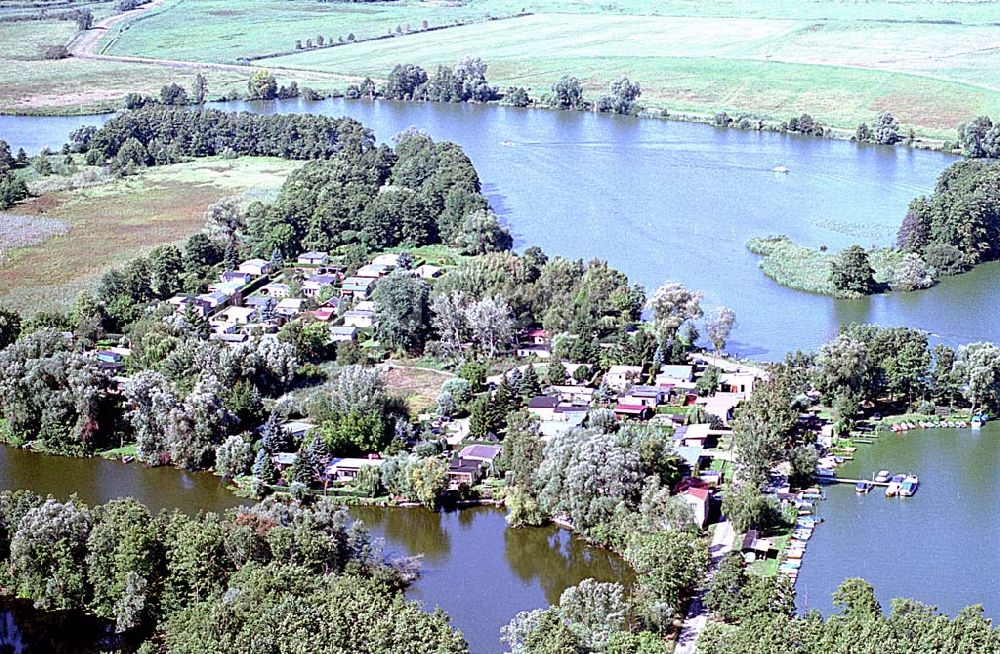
[
  {"x": 672, "y": 200},
  {"x": 481, "y": 573}
]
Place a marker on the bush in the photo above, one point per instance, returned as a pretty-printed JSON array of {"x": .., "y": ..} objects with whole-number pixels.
[
  {"x": 945, "y": 258},
  {"x": 56, "y": 52}
]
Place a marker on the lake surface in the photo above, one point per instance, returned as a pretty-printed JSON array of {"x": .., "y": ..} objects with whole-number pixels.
[
  {"x": 672, "y": 200},
  {"x": 477, "y": 570},
  {"x": 939, "y": 546}
]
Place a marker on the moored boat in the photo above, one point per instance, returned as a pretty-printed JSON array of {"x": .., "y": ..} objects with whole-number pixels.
[
  {"x": 863, "y": 487},
  {"x": 909, "y": 486},
  {"x": 882, "y": 476},
  {"x": 894, "y": 484}
]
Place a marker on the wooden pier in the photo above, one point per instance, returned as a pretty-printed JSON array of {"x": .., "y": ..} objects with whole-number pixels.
[{"x": 844, "y": 480}]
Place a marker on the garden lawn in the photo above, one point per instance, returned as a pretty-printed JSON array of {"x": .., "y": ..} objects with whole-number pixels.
[{"x": 125, "y": 218}]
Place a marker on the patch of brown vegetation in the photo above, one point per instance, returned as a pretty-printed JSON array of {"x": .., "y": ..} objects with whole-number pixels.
[{"x": 419, "y": 387}]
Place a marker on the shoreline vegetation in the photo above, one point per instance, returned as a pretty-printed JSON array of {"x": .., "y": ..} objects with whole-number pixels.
[{"x": 947, "y": 233}]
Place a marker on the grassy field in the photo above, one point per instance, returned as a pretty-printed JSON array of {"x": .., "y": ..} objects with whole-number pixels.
[
  {"x": 31, "y": 84},
  {"x": 125, "y": 218},
  {"x": 225, "y": 30},
  {"x": 933, "y": 63},
  {"x": 841, "y": 72},
  {"x": 418, "y": 387}
]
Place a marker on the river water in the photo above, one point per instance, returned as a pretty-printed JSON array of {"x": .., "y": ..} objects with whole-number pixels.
[
  {"x": 939, "y": 546},
  {"x": 477, "y": 570}
]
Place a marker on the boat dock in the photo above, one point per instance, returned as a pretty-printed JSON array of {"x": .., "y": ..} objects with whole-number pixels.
[{"x": 845, "y": 480}]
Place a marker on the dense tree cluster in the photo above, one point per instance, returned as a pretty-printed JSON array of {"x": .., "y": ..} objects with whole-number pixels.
[
  {"x": 214, "y": 582},
  {"x": 464, "y": 82},
  {"x": 12, "y": 188},
  {"x": 980, "y": 138},
  {"x": 421, "y": 192},
  {"x": 154, "y": 135},
  {"x": 959, "y": 224},
  {"x": 770, "y": 625}
]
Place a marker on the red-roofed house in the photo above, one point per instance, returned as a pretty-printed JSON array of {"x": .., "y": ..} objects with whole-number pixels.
[{"x": 697, "y": 499}]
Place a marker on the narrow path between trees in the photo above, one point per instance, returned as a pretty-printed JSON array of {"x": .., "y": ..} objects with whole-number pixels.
[{"x": 697, "y": 615}]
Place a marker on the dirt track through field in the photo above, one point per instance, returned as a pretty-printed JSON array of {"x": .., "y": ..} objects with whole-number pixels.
[{"x": 84, "y": 46}]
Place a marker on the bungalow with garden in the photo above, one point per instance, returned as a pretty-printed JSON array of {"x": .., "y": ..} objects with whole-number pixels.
[
  {"x": 339, "y": 333},
  {"x": 462, "y": 471},
  {"x": 537, "y": 351},
  {"x": 675, "y": 376},
  {"x": 183, "y": 302},
  {"x": 619, "y": 378},
  {"x": 697, "y": 497},
  {"x": 235, "y": 277},
  {"x": 372, "y": 271},
  {"x": 313, "y": 259},
  {"x": 345, "y": 469},
  {"x": 633, "y": 412},
  {"x": 289, "y": 307},
  {"x": 283, "y": 460},
  {"x": 314, "y": 284},
  {"x": 485, "y": 454},
  {"x": 692, "y": 435},
  {"x": 650, "y": 396},
  {"x": 255, "y": 267},
  {"x": 738, "y": 382},
  {"x": 357, "y": 287},
  {"x": 386, "y": 259},
  {"x": 215, "y": 300},
  {"x": 276, "y": 289},
  {"x": 359, "y": 319},
  {"x": 574, "y": 394},
  {"x": 297, "y": 429},
  {"x": 543, "y": 406},
  {"x": 754, "y": 547}
]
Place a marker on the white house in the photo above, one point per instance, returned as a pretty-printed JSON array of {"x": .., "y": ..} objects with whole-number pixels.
[
  {"x": 343, "y": 333},
  {"x": 372, "y": 271},
  {"x": 359, "y": 319},
  {"x": 388, "y": 259},
  {"x": 538, "y": 351},
  {"x": 313, "y": 284},
  {"x": 255, "y": 267},
  {"x": 289, "y": 307},
  {"x": 619, "y": 378},
  {"x": 314, "y": 259},
  {"x": 346, "y": 469},
  {"x": 276, "y": 289}
]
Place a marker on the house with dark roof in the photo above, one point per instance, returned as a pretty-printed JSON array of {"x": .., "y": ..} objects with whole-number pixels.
[
  {"x": 486, "y": 454},
  {"x": 633, "y": 411},
  {"x": 464, "y": 471}
]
